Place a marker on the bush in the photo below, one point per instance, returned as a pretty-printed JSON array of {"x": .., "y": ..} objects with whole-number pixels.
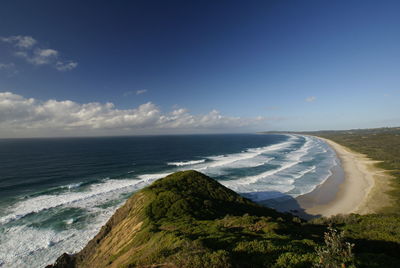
[{"x": 336, "y": 252}]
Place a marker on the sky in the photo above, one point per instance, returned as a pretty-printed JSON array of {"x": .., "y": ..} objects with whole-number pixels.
[{"x": 94, "y": 68}]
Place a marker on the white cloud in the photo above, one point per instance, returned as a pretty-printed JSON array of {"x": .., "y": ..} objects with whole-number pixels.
[
  {"x": 26, "y": 47},
  {"x": 23, "y": 117},
  {"x": 133, "y": 92},
  {"x": 19, "y": 41},
  {"x": 41, "y": 56},
  {"x": 141, "y": 91},
  {"x": 66, "y": 66},
  {"x": 311, "y": 99}
]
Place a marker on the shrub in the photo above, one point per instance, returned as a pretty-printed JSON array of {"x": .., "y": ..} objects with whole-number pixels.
[
  {"x": 336, "y": 252},
  {"x": 291, "y": 259}
]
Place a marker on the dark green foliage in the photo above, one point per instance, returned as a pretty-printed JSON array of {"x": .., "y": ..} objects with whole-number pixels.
[
  {"x": 374, "y": 236},
  {"x": 192, "y": 194},
  {"x": 193, "y": 221},
  {"x": 196, "y": 222},
  {"x": 190, "y": 220}
]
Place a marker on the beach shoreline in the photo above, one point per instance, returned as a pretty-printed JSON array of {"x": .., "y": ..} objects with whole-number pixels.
[{"x": 355, "y": 186}]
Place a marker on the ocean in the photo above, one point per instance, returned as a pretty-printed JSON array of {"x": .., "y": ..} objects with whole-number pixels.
[{"x": 56, "y": 193}]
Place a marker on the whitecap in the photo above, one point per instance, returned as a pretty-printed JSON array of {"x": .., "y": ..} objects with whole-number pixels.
[
  {"x": 251, "y": 157},
  {"x": 73, "y": 186},
  {"x": 78, "y": 199},
  {"x": 271, "y": 179},
  {"x": 186, "y": 163},
  {"x": 248, "y": 158},
  {"x": 304, "y": 172},
  {"x": 152, "y": 177}
]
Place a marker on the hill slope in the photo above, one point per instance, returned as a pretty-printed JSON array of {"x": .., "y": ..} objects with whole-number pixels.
[{"x": 189, "y": 220}]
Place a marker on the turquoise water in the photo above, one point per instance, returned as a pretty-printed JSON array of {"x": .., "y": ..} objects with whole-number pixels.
[{"x": 55, "y": 194}]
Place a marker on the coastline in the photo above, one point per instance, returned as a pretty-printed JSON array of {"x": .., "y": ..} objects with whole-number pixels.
[{"x": 357, "y": 187}]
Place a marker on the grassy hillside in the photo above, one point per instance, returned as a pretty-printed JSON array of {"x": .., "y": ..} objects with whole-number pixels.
[{"x": 189, "y": 220}]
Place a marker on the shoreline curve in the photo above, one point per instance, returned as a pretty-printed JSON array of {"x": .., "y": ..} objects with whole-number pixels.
[{"x": 359, "y": 188}]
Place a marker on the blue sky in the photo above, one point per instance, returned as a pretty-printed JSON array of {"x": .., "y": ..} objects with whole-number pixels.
[{"x": 197, "y": 66}]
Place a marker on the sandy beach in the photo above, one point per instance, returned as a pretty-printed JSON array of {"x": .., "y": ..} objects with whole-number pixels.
[{"x": 361, "y": 189}]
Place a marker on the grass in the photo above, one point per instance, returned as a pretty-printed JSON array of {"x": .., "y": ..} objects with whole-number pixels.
[{"x": 190, "y": 220}]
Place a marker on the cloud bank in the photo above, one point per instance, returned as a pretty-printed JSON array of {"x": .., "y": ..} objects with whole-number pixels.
[
  {"x": 28, "y": 117},
  {"x": 27, "y": 48}
]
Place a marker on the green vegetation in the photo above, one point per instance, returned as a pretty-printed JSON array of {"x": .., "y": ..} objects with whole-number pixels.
[
  {"x": 381, "y": 144},
  {"x": 336, "y": 251},
  {"x": 189, "y": 220},
  {"x": 376, "y": 238}
]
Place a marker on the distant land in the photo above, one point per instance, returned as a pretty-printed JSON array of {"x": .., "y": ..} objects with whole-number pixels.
[{"x": 360, "y": 131}]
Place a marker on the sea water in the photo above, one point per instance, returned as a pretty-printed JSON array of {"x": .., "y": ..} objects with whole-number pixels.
[{"x": 55, "y": 194}]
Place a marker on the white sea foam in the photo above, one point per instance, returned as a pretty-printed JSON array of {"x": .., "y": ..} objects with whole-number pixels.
[
  {"x": 43, "y": 202},
  {"x": 45, "y": 245},
  {"x": 235, "y": 184},
  {"x": 311, "y": 187},
  {"x": 25, "y": 247},
  {"x": 304, "y": 172},
  {"x": 186, "y": 163},
  {"x": 234, "y": 160},
  {"x": 292, "y": 159},
  {"x": 73, "y": 185},
  {"x": 319, "y": 173},
  {"x": 247, "y": 159},
  {"x": 252, "y": 157},
  {"x": 281, "y": 179},
  {"x": 151, "y": 177},
  {"x": 15, "y": 247}
]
